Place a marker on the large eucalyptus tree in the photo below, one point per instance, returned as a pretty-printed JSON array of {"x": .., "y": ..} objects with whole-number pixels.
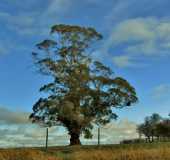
[{"x": 82, "y": 91}]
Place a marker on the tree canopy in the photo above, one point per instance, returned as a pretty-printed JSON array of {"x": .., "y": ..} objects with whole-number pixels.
[
  {"x": 83, "y": 91},
  {"x": 155, "y": 126}
]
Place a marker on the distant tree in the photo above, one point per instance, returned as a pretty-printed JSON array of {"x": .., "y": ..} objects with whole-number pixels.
[
  {"x": 149, "y": 127},
  {"x": 163, "y": 128},
  {"x": 83, "y": 91},
  {"x": 154, "y": 120},
  {"x": 145, "y": 129}
]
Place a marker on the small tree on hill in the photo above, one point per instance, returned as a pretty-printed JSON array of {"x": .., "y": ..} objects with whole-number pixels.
[
  {"x": 145, "y": 129},
  {"x": 83, "y": 91},
  {"x": 149, "y": 127},
  {"x": 163, "y": 129}
]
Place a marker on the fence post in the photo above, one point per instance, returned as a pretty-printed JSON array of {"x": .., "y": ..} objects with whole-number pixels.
[
  {"x": 98, "y": 135},
  {"x": 46, "y": 144}
]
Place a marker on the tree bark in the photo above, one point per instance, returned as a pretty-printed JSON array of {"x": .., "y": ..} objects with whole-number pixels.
[{"x": 75, "y": 139}]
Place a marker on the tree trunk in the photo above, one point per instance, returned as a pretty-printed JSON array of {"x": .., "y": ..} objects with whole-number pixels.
[
  {"x": 152, "y": 139},
  {"x": 75, "y": 139},
  {"x": 149, "y": 139}
]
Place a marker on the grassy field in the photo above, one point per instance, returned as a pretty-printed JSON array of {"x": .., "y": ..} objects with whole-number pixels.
[{"x": 155, "y": 151}]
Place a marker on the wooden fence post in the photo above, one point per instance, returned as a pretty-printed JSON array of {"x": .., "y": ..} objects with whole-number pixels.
[
  {"x": 98, "y": 135},
  {"x": 46, "y": 144}
]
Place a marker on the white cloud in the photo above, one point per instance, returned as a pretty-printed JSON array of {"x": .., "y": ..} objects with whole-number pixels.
[
  {"x": 57, "y": 6},
  {"x": 133, "y": 30},
  {"x": 161, "y": 92},
  {"x": 29, "y": 135},
  {"x": 13, "y": 117},
  {"x": 142, "y": 36},
  {"x": 131, "y": 9},
  {"x": 123, "y": 61},
  {"x": 139, "y": 37},
  {"x": 148, "y": 48},
  {"x": 29, "y": 21},
  {"x": 15, "y": 131},
  {"x": 35, "y": 22},
  {"x": 117, "y": 131}
]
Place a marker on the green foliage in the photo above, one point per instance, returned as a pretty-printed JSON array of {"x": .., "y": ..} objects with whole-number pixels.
[
  {"x": 155, "y": 126},
  {"x": 163, "y": 128},
  {"x": 83, "y": 91}
]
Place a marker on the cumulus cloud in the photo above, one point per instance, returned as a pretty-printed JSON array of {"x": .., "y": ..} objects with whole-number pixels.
[
  {"x": 32, "y": 18},
  {"x": 37, "y": 21},
  {"x": 57, "y": 6},
  {"x": 123, "y": 61},
  {"x": 134, "y": 9},
  {"x": 13, "y": 117},
  {"x": 139, "y": 37},
  {"x": 28, "y": 135},
  {"x": 161, "y": 92},
  {"x": 15, "y": 131},
  {"x": 115, "y": 132},
  {"x": 145, "y": 36},
  {"x": 133, "y": 30}
]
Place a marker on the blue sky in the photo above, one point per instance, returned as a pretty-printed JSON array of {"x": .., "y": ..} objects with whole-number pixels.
[{"x": 136, "y": 45}]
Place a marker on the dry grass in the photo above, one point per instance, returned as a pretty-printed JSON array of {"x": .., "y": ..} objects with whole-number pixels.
[
  {"x": 158, "y": 151},
  {"x": 25, "y": 154},
  {"x": 112, "y": 152},
  {"x": 127, "y": 154}
]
